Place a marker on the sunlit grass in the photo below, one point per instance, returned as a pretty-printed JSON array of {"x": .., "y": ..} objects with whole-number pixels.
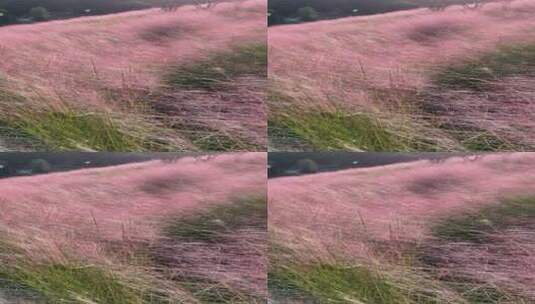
[{"x": 71, "y": 130}]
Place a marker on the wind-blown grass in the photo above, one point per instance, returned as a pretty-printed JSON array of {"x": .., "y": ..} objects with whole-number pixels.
[
  {"x": 210, "y": 139},
  {"x": 116, "y": 236},
  {"x": 457, "y": 231},
  {"x": 70, "y": 284},
  {"x": 109, "y": 72},
  {"x": 213, "y": 230},
  {"x": 478, "y": 229},
  {"x": 334, "y": 284},
  {"x": 461, "y": 79},
  {"x": 75, "y": 131},
  {"x": 340, "y": 130}
]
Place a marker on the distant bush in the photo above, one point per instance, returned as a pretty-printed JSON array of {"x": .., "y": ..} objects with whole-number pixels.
[
  {"x": 160, "y": 33},
  {"x": 40, "y": 166},
  {"x": 307, "y": 13},
  {"x": 435, "y": 29},
  {"x": 284, "y": 11},
  {"x": 222, "y": 68},
  {"x": 307, "y": 166},
  {"x": 165, "y": 184},
  {"x": 39, "y": 13},
  {"x": 4, "y": 17},
  {"x": 433, "y": 184},
  {"x": 479, "y": 72},
  {"x": 21, "y": 9}
]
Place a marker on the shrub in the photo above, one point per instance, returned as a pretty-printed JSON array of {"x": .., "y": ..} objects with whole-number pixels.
[
  {"x": 211, "y": 226},
  {"x": 221, "y": 68},
  {"x": 40, "y": 166},
  {"x": 307, "y": 13},
  {"x": 307, "y": 166},
  {"x": 39, "y": 13},
  {"x": 480, "y": 72},
  {"x": 435, "y": 29},
  {"x": 4, "y": 16},
  {"x": 476, "y": 227}
]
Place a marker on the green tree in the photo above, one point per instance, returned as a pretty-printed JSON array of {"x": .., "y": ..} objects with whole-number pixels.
[
  {"x": 307, "y": 13},
  {"x": 40, "y": 166},
  {"x": 39, "y": 13}
]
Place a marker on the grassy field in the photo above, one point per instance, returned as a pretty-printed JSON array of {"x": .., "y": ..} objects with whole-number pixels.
[
  {"x": 420, "y": 80},
  {"x": 151, "y": 80},
  {"x": 189, "y": 231},
  {"x": 446, "y": 231}
]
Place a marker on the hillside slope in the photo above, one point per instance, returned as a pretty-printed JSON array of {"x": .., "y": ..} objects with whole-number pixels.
[
  {"x": 453, "y": 231},
  {"x": 190, "y": 231},
  {"x": 190, "y": 79},
  {"x": 457, "y": 79}
]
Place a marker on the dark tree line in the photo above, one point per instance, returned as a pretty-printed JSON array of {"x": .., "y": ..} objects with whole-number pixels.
[
  {"x": 282, "y": 163},
  {"x": 12, "y": 11},
  {"x": 294, "y": 11},
  {"x": 13, "y": 163},
  {"x": 286, "y": 11}
]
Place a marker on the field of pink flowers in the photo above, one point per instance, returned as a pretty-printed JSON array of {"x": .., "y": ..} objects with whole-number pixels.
[
  {"x": 430, "y": 80},
  {"x": 453, "y": 231},
  {"x": 152, "y": 232},
  {"x": 115, "y": 66}
]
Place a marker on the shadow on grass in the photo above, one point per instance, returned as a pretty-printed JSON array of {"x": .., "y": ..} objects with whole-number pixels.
[
  {"x": 476, "y": 74},
  {"x": 213, "y": 225},
  {"x": 475, "y": 228},
  {"x": 209, "y": 232},
  {"x": 220, "y": 69}
]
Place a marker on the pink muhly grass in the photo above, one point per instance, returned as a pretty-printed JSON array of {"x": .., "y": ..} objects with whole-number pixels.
[
  {"x": 111, "y": 216},
  {"x": 116, "y": 65},
  {"x": 375, "y": 51},
  {"x": 81, "y": 55},
  {"x": 383, "y": 218},
  {"x": 344, "y": 209},
  {"x": 384, "y": 65}
]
